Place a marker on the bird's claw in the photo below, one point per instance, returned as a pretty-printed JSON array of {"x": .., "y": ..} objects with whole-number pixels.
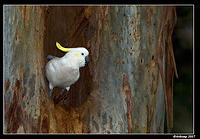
[{"x": 50, "y": 93}]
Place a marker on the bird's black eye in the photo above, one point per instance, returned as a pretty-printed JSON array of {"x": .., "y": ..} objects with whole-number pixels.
[{"x": 82, "y": 53}]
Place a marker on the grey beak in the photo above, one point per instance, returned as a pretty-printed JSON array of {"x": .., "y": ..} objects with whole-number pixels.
[{"x": 87, "y": 60}]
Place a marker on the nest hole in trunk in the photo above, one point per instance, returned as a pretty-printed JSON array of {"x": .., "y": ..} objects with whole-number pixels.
[{"x": 61, "y": 23}]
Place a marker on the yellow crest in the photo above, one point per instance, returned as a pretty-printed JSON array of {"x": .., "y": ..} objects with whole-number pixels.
[{"x": 62, "y": 48}]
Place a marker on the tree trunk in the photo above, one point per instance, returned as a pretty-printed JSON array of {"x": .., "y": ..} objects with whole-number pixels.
[{"x": 120, "y": 91}]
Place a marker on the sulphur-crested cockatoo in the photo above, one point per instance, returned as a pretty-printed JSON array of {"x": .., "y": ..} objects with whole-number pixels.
[{"x": 64, "y": 71}]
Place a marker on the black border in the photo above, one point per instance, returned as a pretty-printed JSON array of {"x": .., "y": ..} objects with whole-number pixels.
[
  {"x": 196, "y": 52},
  {"x": 101, "y": 2}
]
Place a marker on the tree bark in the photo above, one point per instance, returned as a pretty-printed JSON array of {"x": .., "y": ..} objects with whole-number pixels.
[{"x": 120, "y": 91}]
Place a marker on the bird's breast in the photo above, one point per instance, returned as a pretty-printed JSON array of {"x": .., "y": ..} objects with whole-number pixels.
[{"x": 62, "y": 74}]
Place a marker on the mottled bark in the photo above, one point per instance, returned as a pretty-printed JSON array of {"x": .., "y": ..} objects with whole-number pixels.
[{"x": 119, "y": 92}]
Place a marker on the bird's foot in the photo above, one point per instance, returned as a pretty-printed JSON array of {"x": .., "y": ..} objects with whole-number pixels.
[
  {"x": 66, "y": 96},
  {"x": 50, "y": 92}
]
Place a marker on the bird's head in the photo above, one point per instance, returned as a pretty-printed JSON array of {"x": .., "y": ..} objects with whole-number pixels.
[{"x": 80, "y": 54}]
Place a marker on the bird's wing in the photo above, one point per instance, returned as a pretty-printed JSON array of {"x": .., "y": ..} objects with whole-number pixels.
[{"x": 49, "y": 57}]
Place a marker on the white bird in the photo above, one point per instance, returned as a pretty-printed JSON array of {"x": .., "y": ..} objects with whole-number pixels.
[{"x": 63, "y": 72}]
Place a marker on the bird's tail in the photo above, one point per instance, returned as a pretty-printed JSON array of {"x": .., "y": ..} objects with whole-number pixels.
[{"x": 49, "y": 57}]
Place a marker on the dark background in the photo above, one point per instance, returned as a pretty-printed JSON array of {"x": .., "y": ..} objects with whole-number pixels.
[{"x": 183, "y": 86}]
